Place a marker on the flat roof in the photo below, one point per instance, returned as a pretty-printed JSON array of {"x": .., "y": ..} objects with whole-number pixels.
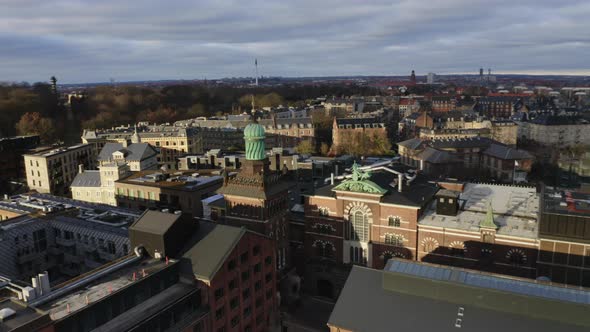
[
  {"x": 566, "y": 202},
  {"x": 102, "y": 287},
  {"x": 23, "y": 315},
  {"x": 515, "y": 210},
  {"x": 183, "y": 180},
  {"x": 56, "y": 150}
]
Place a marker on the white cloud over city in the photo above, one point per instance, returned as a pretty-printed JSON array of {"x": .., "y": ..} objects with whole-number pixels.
[{"x": 90, "y": 41}]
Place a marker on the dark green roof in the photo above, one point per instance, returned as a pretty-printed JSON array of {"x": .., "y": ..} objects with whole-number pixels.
[
  {"x": 376, "y": 300},
  {"x": 210, "y": 247}
]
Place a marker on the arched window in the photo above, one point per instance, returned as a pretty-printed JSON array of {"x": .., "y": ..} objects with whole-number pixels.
[
  {"x": 394, "y": 221},
  {"x": 360, "y": 226},
  {"x": 516, "y": 256},
  {"x": 429, "y": 245},
  {"x": 357, "y": 255},
  {"x": 324, "y": 211},
  {"x": 457, "y": 248}
]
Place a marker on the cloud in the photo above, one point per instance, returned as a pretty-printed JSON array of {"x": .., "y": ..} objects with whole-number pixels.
[{"x": 88, "y": 40}]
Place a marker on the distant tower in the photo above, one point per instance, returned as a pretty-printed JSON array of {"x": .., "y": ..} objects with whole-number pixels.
[
  {"x": 256, "y": 66},
  {"x": 135, "y": 137},
  {"x": 53, "y": 81},
  {"x": 413, "y": 77},
  {"x": 253, "y": 106},
  {"x": 481, "y": 73}
]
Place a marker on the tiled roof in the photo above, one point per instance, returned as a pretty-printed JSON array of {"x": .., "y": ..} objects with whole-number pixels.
[
  {"x": 87, "y": 179},
  {"x": 133, "y": 152},
  {"x": 504, "y": 152}
]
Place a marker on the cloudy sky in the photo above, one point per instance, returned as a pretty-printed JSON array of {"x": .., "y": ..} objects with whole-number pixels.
[{"x": 94, "y": 40}]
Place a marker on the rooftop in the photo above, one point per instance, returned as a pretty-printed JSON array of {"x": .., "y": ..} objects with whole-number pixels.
[
  {"x": 566, "y": 202},
  {"x": 515, "y": 210},
  {"x": 42, "y": 203},
  {"x": 415, "y": 296},
  {"x": 110, "y": 280},
  {"x": 133, "y": 152},
  {"x": 89, "y": 178},
  {"x": 48, "y": 152},
  {"x": 23, "y": 316},
  {"x": 416, "y": 193},
  {"x": 210, "y": 246},
  {"x": 182, "y": 180}
]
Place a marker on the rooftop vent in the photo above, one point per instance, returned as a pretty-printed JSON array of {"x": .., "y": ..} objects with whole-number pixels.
[{"x": 6, "y": 313}]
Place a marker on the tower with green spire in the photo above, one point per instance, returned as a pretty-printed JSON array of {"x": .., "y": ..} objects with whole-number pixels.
[{"x": 254, "y": 137}]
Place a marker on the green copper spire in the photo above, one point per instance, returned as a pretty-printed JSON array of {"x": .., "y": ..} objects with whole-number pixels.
[
  {"x": 254, "y": 137},
  {"x": 488, "y": 221}
]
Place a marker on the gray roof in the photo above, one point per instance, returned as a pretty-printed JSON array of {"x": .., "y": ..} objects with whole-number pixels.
[
  {"x": 154, "y": 222},
  {"x": 504, "y": 152},
  {"x": 434, "y": 156},
  {"x": 374, "y": 300},
  {"x": 133, "y": 152},
  {"x": 210, "y": 247},
  {"x": 87, "y": 179},
  {"x": 412, "y": 143}
]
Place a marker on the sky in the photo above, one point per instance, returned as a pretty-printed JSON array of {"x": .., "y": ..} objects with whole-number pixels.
[{"x": 96, "y": 40}]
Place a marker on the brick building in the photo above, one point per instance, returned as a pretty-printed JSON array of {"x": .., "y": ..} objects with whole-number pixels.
[
  {"x": 257, "y": 197},
  {"x": 359, "y": 221},
  {"x": 345, "y": 129}
]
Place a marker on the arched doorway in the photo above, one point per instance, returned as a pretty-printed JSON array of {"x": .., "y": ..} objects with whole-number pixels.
[{"x": 325, "y": 288}]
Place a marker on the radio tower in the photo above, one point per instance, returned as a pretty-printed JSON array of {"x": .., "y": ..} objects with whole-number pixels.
[{"x": 256, "y": 66}]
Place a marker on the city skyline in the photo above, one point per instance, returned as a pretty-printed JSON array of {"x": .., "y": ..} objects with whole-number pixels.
[{"x": 85, "y": 41}]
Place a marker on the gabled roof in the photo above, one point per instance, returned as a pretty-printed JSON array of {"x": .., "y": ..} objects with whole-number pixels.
[
  {"x": 504, "y": 152},
  {"x": 412, "y": 143},
  {"x": 210, "y": 247},
  {"x": 133, "y": 152},
  {"x": 434, "y": 156},
  {"x": 87, "y": 179}
]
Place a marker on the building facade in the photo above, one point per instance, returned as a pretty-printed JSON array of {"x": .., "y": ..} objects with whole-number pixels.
[{"x": 52, "y": 170}]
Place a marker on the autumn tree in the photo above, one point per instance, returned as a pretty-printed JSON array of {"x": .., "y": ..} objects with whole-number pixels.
[
  {"x": 324, "y": 149},
  {"x": 32, "y": 123},
  {"x": 305, "y": 147}
]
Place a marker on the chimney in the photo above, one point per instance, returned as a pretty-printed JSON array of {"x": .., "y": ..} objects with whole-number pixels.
[
  {"x": 81, "y": 168},
  {"x": 400, "y": 179}
]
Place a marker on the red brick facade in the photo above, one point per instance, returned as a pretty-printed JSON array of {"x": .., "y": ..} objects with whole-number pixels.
[{"x": 242, "y": 295}]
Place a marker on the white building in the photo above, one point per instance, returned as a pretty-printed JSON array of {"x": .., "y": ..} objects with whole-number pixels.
[
  {"x": 430, "y": 78},
  {"x": 115, "y": 162}
]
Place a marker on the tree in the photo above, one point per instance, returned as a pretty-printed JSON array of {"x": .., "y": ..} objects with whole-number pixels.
[
  {"x": 305, "y": 147},
  {"x": 34, "y": 124},
  {"x": 324, "y": 149}
]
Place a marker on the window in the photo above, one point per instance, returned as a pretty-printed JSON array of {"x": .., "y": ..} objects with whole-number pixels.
[
  {"x": 258, "y": 285},
  {"x": 259, "y": 302},
  {"x": 232, "y": 284},
  {"x": 256, "y": 250},
  {"x": 324, "y": 211},
  {"x": 394, "y": 239},
  {"x": 268, "y": 260},
  {"x": 246, "y": 293},
  {"x": 218, "y": 293},
  {"x": 245, "y": 275},
  {"x": 394, "y": 221},
  {"x": 219, "y": 313},
  {"x": 269, "y": 294},
  {"x": 244, "y": 257},
  {"x": 235, "y": 321},
  {"x": 268, "y": 277},
  {"x": 231, "y": 265},
  {"x": 360, "y": 226},
  {"x": 257, "y": 268},
  {"x": 234, "y": 302},
  {"x": 247, "y": 311}
]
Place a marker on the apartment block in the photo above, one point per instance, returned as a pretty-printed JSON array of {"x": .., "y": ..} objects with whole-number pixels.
[{"x": 52, "y": 170}]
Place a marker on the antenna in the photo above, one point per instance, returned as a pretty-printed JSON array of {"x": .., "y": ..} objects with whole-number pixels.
[{"x": 256, "y": 66}]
